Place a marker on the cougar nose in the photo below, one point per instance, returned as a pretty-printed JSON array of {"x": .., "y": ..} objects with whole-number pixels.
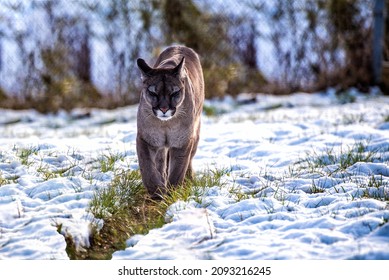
[{"x": 164, "y": 109}]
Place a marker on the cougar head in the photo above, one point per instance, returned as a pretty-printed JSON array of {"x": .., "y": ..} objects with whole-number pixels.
[{"x": 163, "y": 88}]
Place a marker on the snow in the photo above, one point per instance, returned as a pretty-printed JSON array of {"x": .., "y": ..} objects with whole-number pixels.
[{"x": 273, "y": 205}]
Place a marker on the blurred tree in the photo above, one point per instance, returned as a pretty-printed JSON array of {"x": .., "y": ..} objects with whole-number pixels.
[
  {"x": 126, "y": 30},
  {"x": 3, "y": 95},
  {"x": 28, "y": 81},
  {"x": 353, "y": 31},
  {"x": 324, "y": 61},
  {"x": 83, "y": 56},
  {"x": 243, "y": 36},
  {"x": 66, "y": 58},
  {"x": 318, "y": 43},
  {"x": 385, "y": 69},
  {"x": 386, "y": 47},
  {"x": 224, "y": 66}
]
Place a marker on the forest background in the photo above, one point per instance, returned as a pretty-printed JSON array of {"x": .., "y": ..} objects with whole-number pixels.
[{"x": 68, "y": 54}]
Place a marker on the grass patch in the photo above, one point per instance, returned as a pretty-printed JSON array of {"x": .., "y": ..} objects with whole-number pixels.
[
  {"x": 336, "y": 164},
  {"x": 338, "y": 160},
  {"x": 346, "y": 97},
  {"x": 376, "y": 187},
  {"x": 316, "y": 189},
  {"x": 25, "y": 153},
  {"x": 195, "y": 189},
  {"x": 126, "y": 209},
  {"x": 3, "y": 180},
  {"x": 107, "y": 161},
  {"x": 213, "y": 111},
  {"x": 46, "y": 173},
  {"x": 210, "y": 111}
]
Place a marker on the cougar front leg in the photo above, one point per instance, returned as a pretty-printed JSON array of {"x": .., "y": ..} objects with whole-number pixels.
[
  {"x": 151, "y": 177},
  {"x": 161, "y": 162},
  {"x": 190, "y": 172},
  {"x": 179, "y": 162}
]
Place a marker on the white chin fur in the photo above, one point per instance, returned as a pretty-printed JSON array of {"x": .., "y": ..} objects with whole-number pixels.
[{"x": 164, "y": 117}]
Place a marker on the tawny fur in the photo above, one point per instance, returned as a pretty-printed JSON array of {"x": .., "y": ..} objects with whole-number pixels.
[{"x": 167, "y": 141}]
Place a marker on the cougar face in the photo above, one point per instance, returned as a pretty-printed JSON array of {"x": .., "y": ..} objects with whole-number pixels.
[{"x": 163, "y": 90}]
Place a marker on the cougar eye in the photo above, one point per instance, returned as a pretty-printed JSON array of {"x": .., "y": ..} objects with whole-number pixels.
[
  {"x": 176, "y": 92},
  {"x": 152, "y": 90},
  {"x": 153, "y": 94}
]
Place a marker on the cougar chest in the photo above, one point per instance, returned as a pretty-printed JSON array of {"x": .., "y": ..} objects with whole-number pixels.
[
  {"x": 176, "y": 136},
  {"x": 161, "y": 135}
]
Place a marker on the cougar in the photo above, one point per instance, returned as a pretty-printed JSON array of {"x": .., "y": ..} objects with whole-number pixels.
[{"x": 168, "y": 120}]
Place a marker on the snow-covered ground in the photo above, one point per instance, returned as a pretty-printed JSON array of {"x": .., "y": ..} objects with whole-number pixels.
[{"x": 285, "y": 195}]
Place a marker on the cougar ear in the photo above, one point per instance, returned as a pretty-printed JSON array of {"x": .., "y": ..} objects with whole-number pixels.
[
  {"x": 144, "y": 68},
  {"x": 178, "y": 70}
]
